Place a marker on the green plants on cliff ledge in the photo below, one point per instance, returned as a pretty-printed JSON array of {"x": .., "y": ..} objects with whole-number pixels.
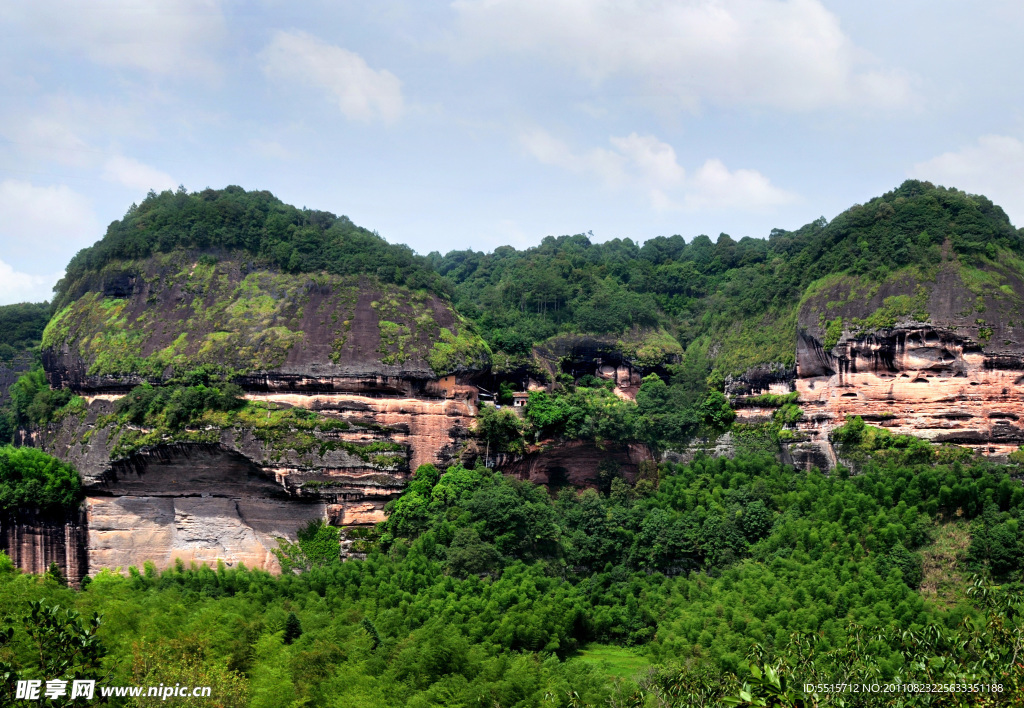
[
  {"x": 501, "y": 429},
  {"x": 457, "y": 352},
  {"x": 148, "y": 416}
]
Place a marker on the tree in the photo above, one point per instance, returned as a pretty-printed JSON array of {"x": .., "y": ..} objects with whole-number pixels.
[
  {"x": 55, "y": 573},
  {"x": 318, "y": 545},
  {"x": 501, "y": 429},
  {"x": 292, "y": 628},
  {"x": 469, "y": 555}
]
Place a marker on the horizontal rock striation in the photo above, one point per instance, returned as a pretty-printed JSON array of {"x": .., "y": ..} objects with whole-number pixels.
[
  {"x": 170, "y": 490},
  {"x": 389, "y": 369},
  {"x": 919, "y": 380}
]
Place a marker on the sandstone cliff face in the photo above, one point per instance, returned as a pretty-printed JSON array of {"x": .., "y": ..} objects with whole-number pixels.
[
  {"x": 947, "y": 367},
  {"x": 390, "y": 368},
  {"x": 34, "y": 540},
  {"x": 229, "y": 499},
  {"x": 940, "y": 358},
  {"x": 917, "y": 380},
  {"x": 146, "y": 320}
]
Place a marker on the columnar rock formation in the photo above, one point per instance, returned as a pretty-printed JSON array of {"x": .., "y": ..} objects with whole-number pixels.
[{"x": 34, "y": 540}]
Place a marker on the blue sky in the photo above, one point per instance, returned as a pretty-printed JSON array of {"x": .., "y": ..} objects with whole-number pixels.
[{"x": 477, "y": 123}]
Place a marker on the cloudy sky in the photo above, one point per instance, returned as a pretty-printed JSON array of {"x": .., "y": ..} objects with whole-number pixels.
[{"x": 477, "y": 123}]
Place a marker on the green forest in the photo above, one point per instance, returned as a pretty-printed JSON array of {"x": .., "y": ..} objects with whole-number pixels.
[{"x": 720, "y": 580}]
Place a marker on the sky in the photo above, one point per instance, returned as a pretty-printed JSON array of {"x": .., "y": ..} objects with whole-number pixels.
[{"x": 481, "y": 123}]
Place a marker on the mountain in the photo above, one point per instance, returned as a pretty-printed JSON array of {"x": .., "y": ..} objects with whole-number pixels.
[{"x": 222, "y": 366}]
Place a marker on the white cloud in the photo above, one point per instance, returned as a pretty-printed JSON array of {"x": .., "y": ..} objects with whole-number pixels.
[
  {"x": 642, "y": 162},
  {"x": 601, "y": 162},
  {"x": 42, "y": 227},
  {"x": 361, "y": 93},
  {"x": 714, "y": 186},
  {"x": 655, "y": 160},
  {"x": 993, "y": 166},
  {"x": 50, "y": 138},
  {"x": 788, "y": 54},
  {"x": 135, "y": 175},
  {"x": 22, "y": 287},
  {"x": 166, "y": 37}
]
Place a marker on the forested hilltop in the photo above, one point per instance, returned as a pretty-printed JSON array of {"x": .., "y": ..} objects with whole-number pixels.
[{"x": 739, "y": 296}]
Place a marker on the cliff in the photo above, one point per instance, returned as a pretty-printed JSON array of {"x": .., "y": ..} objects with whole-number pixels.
[
  {"x": 9, "y": 372},
  {"x": 349, "y": 384},
  {"x": 933, "y": 352},
  {"x": 33, "y": 540}
]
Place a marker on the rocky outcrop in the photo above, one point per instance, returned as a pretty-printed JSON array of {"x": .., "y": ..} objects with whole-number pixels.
[
  {"x": 578, "y": 463},
  {"x": 177, "y": 312},
  {"x": 941, "y": 358},
  {"x": 33, "y": 540},
  {"x": 230, "y": 498},
  {"x": 919, "y": 380},
  {"x": 388, "y": 370}
]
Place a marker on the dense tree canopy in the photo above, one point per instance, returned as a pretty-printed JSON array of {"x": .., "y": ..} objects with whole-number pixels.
[
  {"x": 31, "y": 479},
  {"x": 21, "y": 327},
  {"x": 231, "y": 219},
  {"x": 702, "y": 288}
]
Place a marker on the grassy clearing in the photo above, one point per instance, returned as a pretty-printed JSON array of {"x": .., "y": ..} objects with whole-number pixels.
[
  {"x": 613, "y": 660},
  {"x": 944, "y": 582}
]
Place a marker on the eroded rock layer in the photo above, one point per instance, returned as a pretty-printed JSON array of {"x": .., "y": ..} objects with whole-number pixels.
[
  {"x": 578, "y": 463},
  {"x": 917, "y": 380},
  {"x": 229, "y": 499}
]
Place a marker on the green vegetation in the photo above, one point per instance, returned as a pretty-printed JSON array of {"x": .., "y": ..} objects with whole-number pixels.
[
  {"x": 148, "y": 416},
  {"x": 452, "y": 353},
  {"x": 317, "y": 546},
  {"x": 501, "y": 430},
  {"x": 613, "y": 660},
  {"x": 858, "y": 442},
  {"x": 664, "y": 414},
  {"x": 772, "y": 400},
  {"x": 246, "y": 321},
  {"x": 741, "y": 295},
  {"x": 286, "y": 238},
  {"x": 239, "y": 324},
  {"x": 34, "y": 404},
  {"x": 894, "y": 309},
  {"x": 719, "y": 582},
  {"x": 21, "y": 327},
  {"x": 722, "y": 579},
  {"x": 31, "y": 479}
]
